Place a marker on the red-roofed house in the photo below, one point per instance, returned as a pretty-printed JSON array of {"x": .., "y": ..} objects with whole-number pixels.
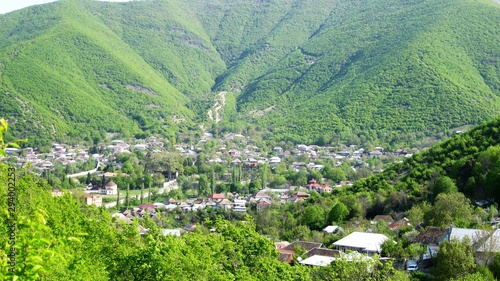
[
  {"x": 147, "y": 206},
  {"x": 313, "y": 185},
  {"x": 263, "y": 205},
  {"x": 216, "y": 196}
]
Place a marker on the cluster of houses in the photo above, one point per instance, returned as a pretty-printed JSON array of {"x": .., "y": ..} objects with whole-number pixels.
[
  {"x": 365, "y": 243},
  {"x": 59, "y": 153},
  {"x": 482, "y": 241},
  {"x": 350, "y": 247},
  {"x": 246, "y": 153},
  {"x": 66, "y": 154}
]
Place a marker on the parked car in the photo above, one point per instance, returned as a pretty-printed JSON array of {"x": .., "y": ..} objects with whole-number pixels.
[{"x": 411, "y": 265}]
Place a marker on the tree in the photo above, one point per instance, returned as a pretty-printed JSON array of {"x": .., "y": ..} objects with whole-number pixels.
[
  {"x": 444, "y": 185},
  {"x": 89, "y": 179},
  {"x": 142, "y": 192},
  {"x": 472, "y": 277},
  {"x": 417, "y": 212},
  {"x": 4, "y": 127},
  {"x": 203, "y": 185},
  {"x": 263, "y": 175},
  {"x": 338, "y": 213},
  {"x": 359, "y": 268},
  {"x": 450, "y": 209},
  {"x": 127, "y": 198},
  {"x": 455, "y": 259},
  {"x": 118, "y": 199},
  {"x": 212, "y": 181},
  {"x": 254, "y": 187},
  {"x": 313, "y": 217}
]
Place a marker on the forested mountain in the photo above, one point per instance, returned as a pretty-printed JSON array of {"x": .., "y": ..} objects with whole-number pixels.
[
  {"x": 468, "y": 163},
  {"x": 389, "y": 71}
]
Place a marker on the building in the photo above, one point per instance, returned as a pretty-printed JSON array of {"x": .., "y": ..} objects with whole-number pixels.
[
  {"x": 263, "y": 205},
  {"x": 92, "y": 199},
  {"x": 111, "y": 188},
  {"x": 362, "y": 242}
]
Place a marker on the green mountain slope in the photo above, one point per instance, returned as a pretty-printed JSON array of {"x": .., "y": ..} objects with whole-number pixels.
[
  {"x": 79, "y": 78},
  {"x": 386, "y": 71},
  {"x": 470, "y": 160}
]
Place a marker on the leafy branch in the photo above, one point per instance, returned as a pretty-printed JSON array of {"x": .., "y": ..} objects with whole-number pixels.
[{"x": 4, "y": 127}]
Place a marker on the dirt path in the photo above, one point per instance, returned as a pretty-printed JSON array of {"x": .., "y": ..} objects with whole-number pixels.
[{"x": 218, "y": 106}]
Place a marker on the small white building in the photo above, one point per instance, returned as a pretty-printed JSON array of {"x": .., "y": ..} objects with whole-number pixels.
[
  {"x": 332, "y": 229},
  {"x": 111, "y": 188}
]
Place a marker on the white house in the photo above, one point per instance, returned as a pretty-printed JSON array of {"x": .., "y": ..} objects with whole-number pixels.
[
  {"x": 332, "y": 229},
  {"x": 362, "y": 242},
  {"x": 111, "y": 188}
]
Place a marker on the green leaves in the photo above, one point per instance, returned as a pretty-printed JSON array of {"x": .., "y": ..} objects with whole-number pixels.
[{"x": 4, "y": 127}]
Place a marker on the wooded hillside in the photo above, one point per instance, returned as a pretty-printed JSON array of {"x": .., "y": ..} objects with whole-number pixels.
[{"x": 383, "y": 71}]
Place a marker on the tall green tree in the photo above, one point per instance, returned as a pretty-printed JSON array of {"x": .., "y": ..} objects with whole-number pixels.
[
  {"x": 127, "y": 197},
  {"x": 455, "y": 259},
  {"x": 313, "y": 217},
  {"x": 338, "y": 213},
  {"x": 444, "y": 184},
  {"x": 450, "y": 208}
]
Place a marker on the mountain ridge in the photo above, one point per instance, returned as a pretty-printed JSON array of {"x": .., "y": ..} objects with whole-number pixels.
[{"x": 389, "y": 72}]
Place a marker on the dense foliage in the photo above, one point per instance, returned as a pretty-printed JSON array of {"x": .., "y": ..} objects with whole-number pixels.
[
  {"x": 387, "y": 71},
  {"x": 469, "y": 161}
]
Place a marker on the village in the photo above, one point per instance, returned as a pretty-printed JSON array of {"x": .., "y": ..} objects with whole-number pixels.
[{"x": 239, "y": 155}]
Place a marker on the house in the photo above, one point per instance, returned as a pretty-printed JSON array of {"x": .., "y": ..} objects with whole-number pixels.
[
  {"x": 252, "y": 162},
  {"x": 111, "y": 188},
  {"x": 173, "y": 232},
  {"x": 121, "y": 218},
  {"x": 361, "y": 242},
  {"x": 302, "y": 195},
  {"x": 487, "y": 246},
  {"x": 225, "y": 204},
  {"x": 281, "y": 244},
  {"x": 431, "y": 237},
  {"x": 463, "y": 233},
  {"x": 215, "y": 196},
  {"x": 318, "y": 261},
  {"x": 287, "y": 251},
  {"x": 286, "y": 256},
  {"x": 387, "y": 219},
  {"x": 146, "y": 206},
  {"x": 140, "y": 146},
  {"x": 332, "y": 229},
  {"x": 92, "y": 199},
  {"x": 262, "y": 195},
  {"x": 284, "y": 199},
  {"x": 402, "y": 223},
  {"x": 56, "y": 192},
  {"x": 240, "y": 209},
  {"x": 320, "y": 257},
  {"x": 263, "y": 205},
  {"x": 274, "y": 160},
  {"x": 313, "y": 185}
]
